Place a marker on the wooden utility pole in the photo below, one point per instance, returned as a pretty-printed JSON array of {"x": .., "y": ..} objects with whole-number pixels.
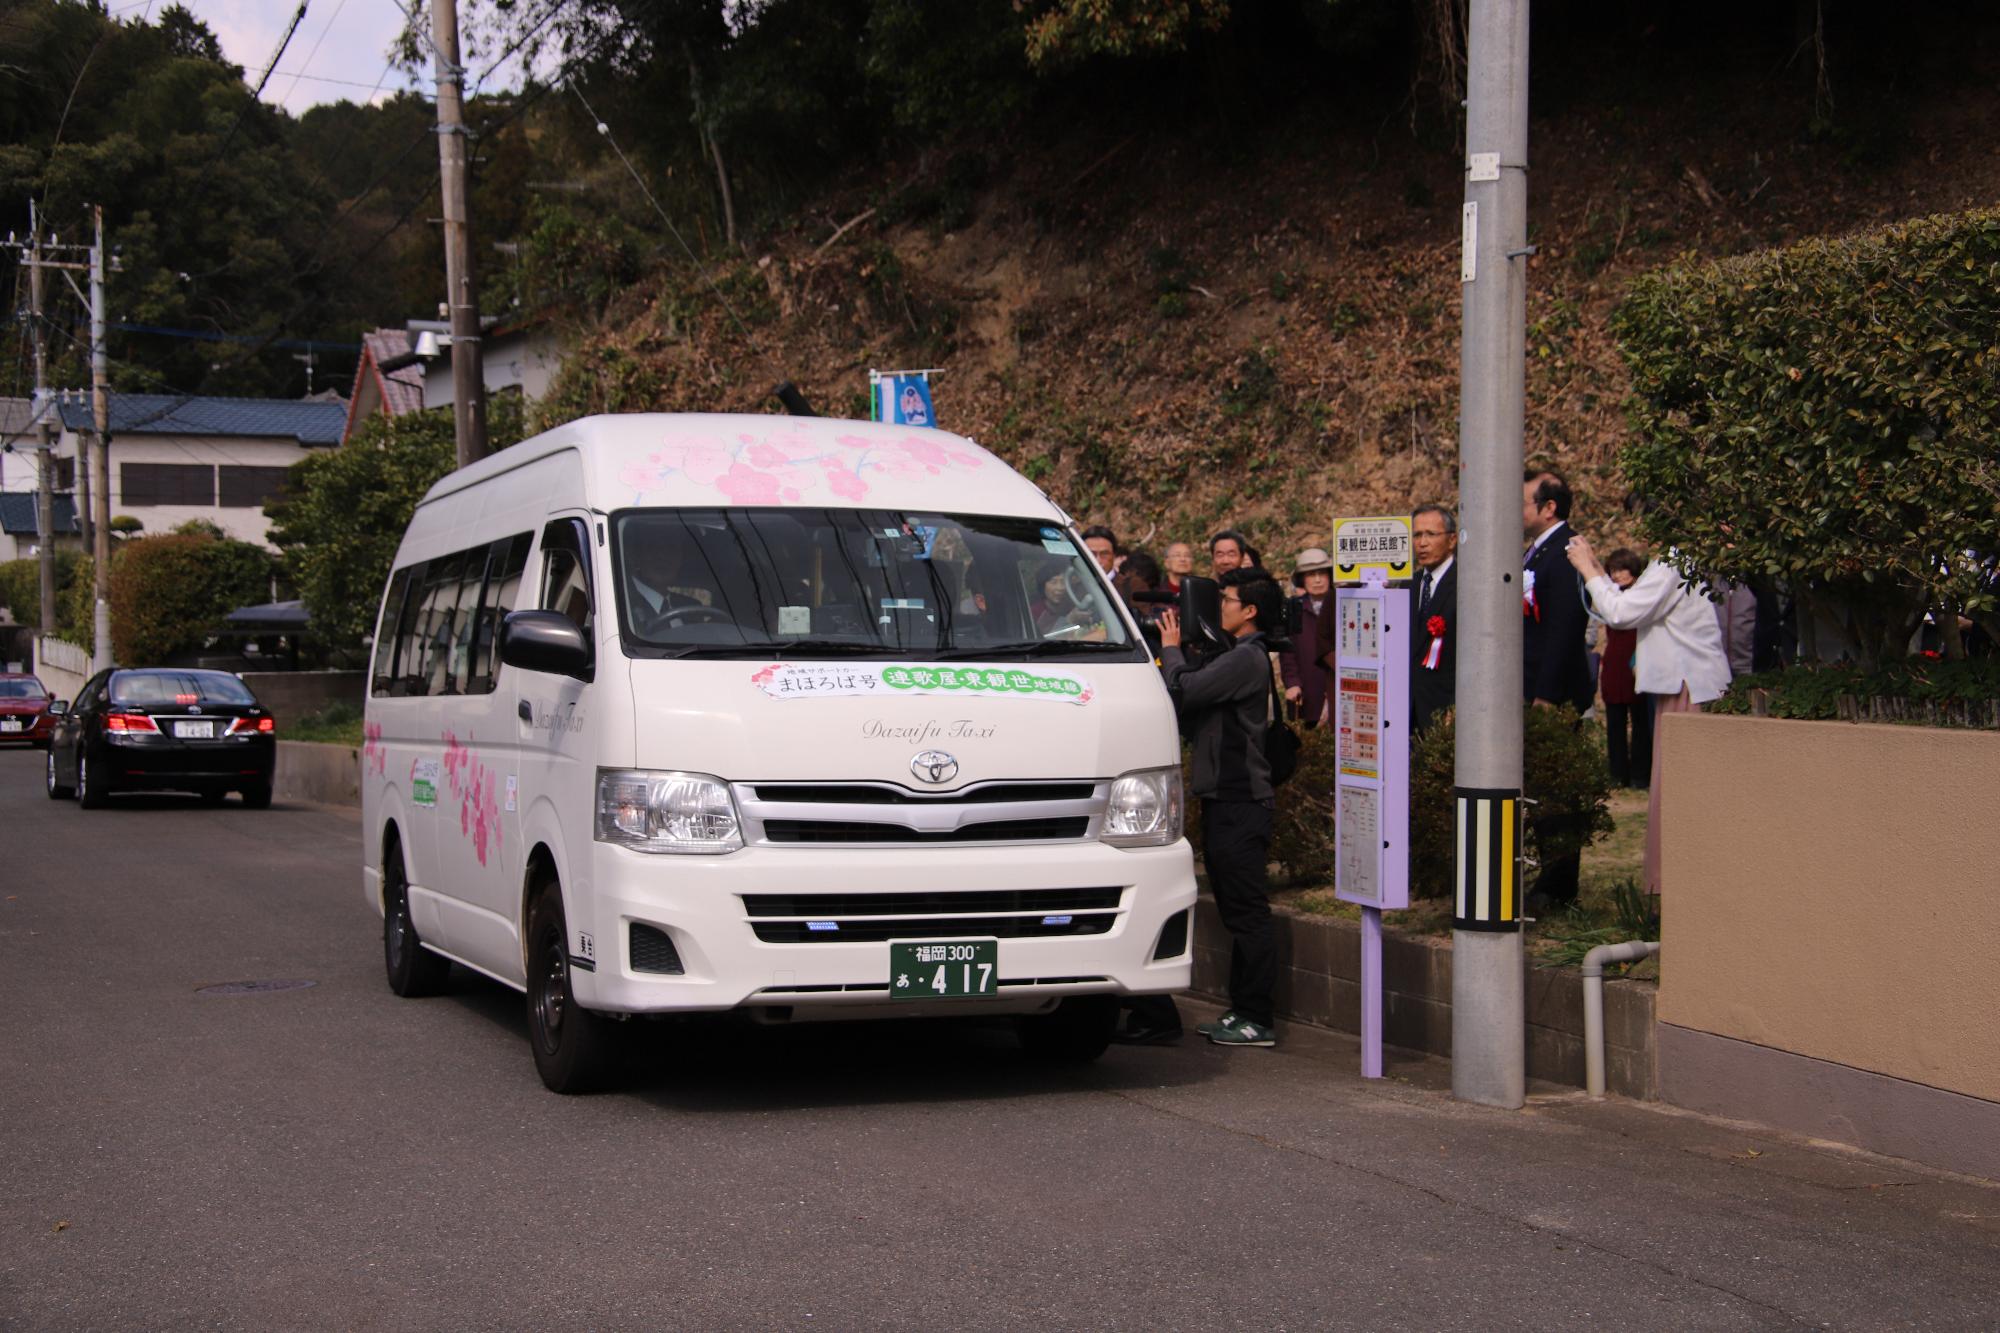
[
  {"x": 45, "y": 500},
  {"x": 100, "y": 408},
  {"x": 468, "y": 375}
]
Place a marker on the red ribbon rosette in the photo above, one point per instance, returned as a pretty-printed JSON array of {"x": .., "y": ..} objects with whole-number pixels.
[{"x": 1435, "y": 627}]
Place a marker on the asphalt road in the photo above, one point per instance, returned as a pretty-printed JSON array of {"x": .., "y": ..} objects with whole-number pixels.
[{"x": 333, "y": 1157}]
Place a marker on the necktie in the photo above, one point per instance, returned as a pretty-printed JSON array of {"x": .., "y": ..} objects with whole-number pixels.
[{"x": 1424, "y": 593}]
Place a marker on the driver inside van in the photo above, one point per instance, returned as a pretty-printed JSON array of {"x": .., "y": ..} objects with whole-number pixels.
[{"x": 657, "y": 575}]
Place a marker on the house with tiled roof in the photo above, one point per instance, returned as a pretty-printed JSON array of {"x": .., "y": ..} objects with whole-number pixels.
[
  {"x": 176, "y": 457},
  {"x": 19, "y": 537},
  {"x": 388, "y": 382}
]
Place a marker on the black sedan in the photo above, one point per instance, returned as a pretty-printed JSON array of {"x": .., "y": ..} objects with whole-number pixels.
[{"x": 163, "y": 729}]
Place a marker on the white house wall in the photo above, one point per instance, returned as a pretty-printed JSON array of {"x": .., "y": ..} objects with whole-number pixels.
[{"x": 246, "y": 524}]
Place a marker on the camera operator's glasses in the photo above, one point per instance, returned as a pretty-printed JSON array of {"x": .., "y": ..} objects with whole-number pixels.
[{"x": 1230, "y": 597}]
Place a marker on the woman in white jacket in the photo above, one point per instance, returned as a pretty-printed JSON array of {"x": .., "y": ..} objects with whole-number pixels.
[{"x": 1679, "y": 659}]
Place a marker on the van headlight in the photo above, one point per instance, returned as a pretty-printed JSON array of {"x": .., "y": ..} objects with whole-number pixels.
[
  {"x": 1146, "y": 809},
  {"x": 650, "y": 811}
]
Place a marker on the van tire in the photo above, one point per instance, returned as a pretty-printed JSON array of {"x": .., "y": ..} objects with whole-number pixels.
[
  {"x": 413, "y": 970},
  {"x": 1077, "y": 1032},
  {"x": 575, "y": 1049}
]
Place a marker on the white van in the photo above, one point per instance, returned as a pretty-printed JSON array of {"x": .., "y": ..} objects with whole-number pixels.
[{"x": 801, "y": 717}]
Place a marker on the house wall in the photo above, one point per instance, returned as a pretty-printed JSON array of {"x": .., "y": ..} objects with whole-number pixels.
[
  {"x": 527, "y": 361},
  {"x": 1831, "y": 952},
  {"x": 245, "y": 524}
]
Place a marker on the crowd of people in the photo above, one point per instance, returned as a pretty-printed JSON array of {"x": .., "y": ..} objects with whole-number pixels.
[{"x": 1635, "y": 632}]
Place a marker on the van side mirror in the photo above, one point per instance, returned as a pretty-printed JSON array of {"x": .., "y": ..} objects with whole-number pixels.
[
  {"x": 58, "y": 707},
  {"x": 545, "y": 641}
]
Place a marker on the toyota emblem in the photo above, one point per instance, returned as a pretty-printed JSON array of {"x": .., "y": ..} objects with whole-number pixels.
[{"x": 934, "y": 766}]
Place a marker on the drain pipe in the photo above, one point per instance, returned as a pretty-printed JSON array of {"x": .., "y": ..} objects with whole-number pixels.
[{"x": 1593, "y": 1003}]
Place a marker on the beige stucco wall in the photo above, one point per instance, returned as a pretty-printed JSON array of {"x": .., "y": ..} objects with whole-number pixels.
[
  {"x": 245, "y": 523},
  {"x": 1833, "y": 890}
]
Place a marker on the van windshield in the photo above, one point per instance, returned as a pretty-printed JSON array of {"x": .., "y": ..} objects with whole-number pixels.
[{"x": 858, "y": 582}]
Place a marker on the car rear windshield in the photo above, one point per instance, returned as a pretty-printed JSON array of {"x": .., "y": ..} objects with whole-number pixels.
[
  {"x": 838, "y": 582},
  {"x": 147, "y": 688},
  {"x": 22, "y": 687}
]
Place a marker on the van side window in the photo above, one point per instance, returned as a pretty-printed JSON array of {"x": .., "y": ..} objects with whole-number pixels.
[
  {"x": 404, "y": 678},
  {"x": 464, "y": 620},
  {"x": 382, "y": 675},
  {"x": 433, "y": 627},
  {"x": 566, "y": 573},
  {"x": 506, "y": 561}
]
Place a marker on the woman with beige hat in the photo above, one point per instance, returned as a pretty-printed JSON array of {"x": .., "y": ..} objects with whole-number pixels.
[{"x": 1299, "y": 664}]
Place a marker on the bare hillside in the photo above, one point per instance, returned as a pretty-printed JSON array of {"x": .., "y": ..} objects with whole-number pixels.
[{"x": 1168, "y": 336}]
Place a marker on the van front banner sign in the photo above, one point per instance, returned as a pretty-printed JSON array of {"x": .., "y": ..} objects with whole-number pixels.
[{"x": 824, "y": 680}]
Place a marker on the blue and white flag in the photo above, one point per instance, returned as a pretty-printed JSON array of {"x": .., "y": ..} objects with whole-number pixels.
[{"x": 903, "y": 400}]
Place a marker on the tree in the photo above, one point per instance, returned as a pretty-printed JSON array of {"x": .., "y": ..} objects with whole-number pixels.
[
  {"x": 169, "y": 593},
  {"x": 344, "y": 511},
  {"x": 1824, "y": 415}
]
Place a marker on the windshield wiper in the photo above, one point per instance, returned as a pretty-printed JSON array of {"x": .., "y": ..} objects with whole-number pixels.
[{"x": 1035, "y": 648}]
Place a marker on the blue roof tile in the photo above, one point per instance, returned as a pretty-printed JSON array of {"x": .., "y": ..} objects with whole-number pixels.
[
  {"x": 177, "y": 414},
  {"x": 17, "y": 513}
]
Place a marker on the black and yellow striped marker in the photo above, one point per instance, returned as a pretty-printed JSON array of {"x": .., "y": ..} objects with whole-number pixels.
[{"x": 1489, "y": 859}]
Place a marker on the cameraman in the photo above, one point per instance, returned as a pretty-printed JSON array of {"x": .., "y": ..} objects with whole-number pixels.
[{"x": 1223, "y": 703}]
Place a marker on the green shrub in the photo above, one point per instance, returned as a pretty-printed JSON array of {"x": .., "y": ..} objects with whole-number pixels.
[
  {"x": 1815, "y": 692},
  {"x": 21, "y": 587},
  {"x": 1824, "y": 415},
  {"x": 1563, "y": 768},
  {"x": 344, "y": 510},
  {"x": 169, "y": 593}
]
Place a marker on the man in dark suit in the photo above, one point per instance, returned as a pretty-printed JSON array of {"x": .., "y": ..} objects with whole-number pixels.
[
  {"x": 1555, "y": 667},
  {"x": 1434, "y": 604}
]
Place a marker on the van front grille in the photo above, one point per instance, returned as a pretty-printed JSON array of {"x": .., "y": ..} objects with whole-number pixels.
[
  {"x": 835, "y": 905},
  {"x": 827, "y": 930},
  {"x": 884, "y": 814},
  {"x": 1005, "y": 830}
]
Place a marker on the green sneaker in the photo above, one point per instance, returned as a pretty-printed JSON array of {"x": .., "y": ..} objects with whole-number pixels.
[
  {"x": 1244, "y": 1033},
  {"x": 1223, "y": 1024}
]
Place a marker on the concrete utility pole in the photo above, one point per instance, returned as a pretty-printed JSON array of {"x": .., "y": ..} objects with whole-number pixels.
[
  {"x": 45, "y": 498},
  {"x": 100, "y": 406},
  {"x": 468, "y": 375},
  {"x": 1488, "y": 1013}
]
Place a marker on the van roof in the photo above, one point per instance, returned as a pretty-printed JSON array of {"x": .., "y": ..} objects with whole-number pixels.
[{"x": 674, "y": 460}]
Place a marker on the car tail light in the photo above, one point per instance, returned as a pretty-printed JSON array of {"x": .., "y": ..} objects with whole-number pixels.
[
  {"x": 130, "y": 722},
  {"x": 243, "y": 725}
]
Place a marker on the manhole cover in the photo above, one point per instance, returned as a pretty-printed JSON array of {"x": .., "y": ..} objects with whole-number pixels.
[{"x": 252, "y": 987}]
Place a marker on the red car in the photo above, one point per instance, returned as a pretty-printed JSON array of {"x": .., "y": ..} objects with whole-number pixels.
[{"x": 24, "y": 711}]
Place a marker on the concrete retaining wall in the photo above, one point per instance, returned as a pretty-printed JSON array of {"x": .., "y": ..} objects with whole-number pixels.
[
  {"x": 1319, "y": 981},
  {"x": 291, "y": 695},
  {"x": 320, "y": 774}
]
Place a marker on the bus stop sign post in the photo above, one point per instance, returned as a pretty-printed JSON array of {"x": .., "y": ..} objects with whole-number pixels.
[{"x": 1372, "y": 789}]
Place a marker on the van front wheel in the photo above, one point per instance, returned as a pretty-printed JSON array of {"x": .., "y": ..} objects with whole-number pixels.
[
  {"x": 414, "y": 971},
  {"x": 1076, "y": 1032},
  {"x": 575, "y": 1049}
]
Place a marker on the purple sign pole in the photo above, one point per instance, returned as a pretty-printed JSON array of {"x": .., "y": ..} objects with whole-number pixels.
[{"x": 1372, "y": 789}]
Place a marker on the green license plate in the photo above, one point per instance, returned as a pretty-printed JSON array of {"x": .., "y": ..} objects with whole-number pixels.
[{"x": 943, "y": 969}]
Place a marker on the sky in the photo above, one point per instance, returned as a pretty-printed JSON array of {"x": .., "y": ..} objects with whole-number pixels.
[{"x": 340, "y": 52}]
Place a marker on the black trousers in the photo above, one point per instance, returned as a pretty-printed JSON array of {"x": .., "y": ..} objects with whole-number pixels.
[
  {"x": 1631, "y": 760},
  {"x": 1236, "y": 847}
]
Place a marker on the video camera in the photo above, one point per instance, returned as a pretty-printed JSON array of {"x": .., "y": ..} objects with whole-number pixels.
[{"x": 1199, "y": 603}]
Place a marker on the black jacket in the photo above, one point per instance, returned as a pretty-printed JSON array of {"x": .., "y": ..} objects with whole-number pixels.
[
  {"x": 1433, "y": 690},
  {"x": 1556, "y": 666},
  {"x": 1223, "y": 704}
]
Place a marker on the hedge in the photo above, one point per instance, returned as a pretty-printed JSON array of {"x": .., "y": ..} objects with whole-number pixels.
[
  {"x": 169, "y": 593},
  {"x": 1824, "y": 415}
]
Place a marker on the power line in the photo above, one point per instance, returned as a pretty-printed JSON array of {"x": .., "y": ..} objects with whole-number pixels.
[
  {"x": 605, "y": 130},
  {"x": 320, "y": 41}
]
